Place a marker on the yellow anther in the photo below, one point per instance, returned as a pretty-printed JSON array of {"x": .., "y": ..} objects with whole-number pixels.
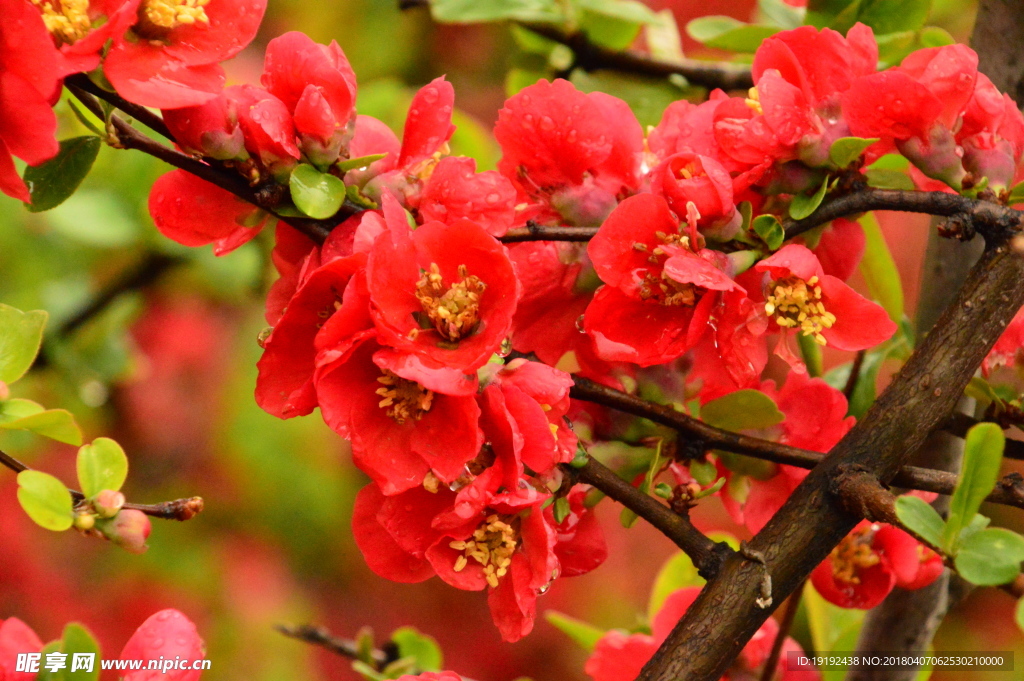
[
  {"x": 403, "y": 399},
  {"x": 431, "y": 482},
  {"x": 753, "y": 100},
  {"x": 491, "y": 545},
  {"x": 452, "y": 310},
  {"x": 169, "y": 14},
  {"x": 853, "y": 554},
  {"x": 66, "y": 20},
  {"x": 796, "y": 303}
]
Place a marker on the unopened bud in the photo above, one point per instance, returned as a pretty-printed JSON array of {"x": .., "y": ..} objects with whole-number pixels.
[
  {"x": 129, "y": 529},
  {"x": 5, "y": 392},
  {"x": 108, "y": 503},
  {"x": 85, "y": 521}
]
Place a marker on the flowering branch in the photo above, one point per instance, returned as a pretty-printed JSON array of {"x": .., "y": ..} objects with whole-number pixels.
[
  {"x": 1009, "y": 491},
  {"x": 989, "y": 218},
  {"x": 706, "y": 554},
  {"x": 320, "y": 636},
  {"x": 813, "y": 520},
  {"x": 179, "y": 509}
]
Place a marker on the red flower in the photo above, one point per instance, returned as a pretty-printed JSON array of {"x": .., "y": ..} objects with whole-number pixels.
[
  {"x": 194, "y": 212},
  {"x": 406, "y": 417},
  {"x": 871, "y": 560},
  {"x": 455, "y": 190},
  {"x": 167, "y": 635},
  {"x": 1007, "y": 349},
  {"x": 16, "y": 638},
  {"x": 171, "y": 56},
  {"x": 800, "y": 296},
  {"x": 659, "y": 293},
  {"x": 687, "y": 177},
  {"x": 570, "y": 153},
  {"x": 620, "y": 657},
  {"x": 444, "y": 292},
  {"x": 991, "y": 134},
  {"x": 30, "y": 73}
]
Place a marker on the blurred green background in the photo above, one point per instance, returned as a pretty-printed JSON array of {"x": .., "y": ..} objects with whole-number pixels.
[{"x": 169, "y": 371}]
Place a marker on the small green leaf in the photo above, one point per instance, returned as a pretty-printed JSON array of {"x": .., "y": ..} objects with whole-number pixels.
[
  {"x": 983, "y": 391},
  {"x": 879, "y": 269},
  {"x": 647, "y": 97},
  {"x": 318, "y": 195},
  {"x": 803, "y": 206},
  {"x": 704, "y": 472},
  {"x": 918, "y": 515},
  {"x": 20, "y": 336},
  {"x": 977, "y": 524},
  {"x": 361, "y": 162},
  {"x": 781, "y": 14},
  {"x": 45, "y": 499},
  {"x": 1016, "y": 194},
  {"x": 78, "y": 639},
  {"x": 846, "y": 150},
  {"x": 45, "y": 674},
  {"x": 1019, "y": 614},
  {"x": 422, "y": 648},
  {"x": 884, "y": 178},
  {"x": 770, "y": 230},
  {"x": 990, "y": 557},
  {"x": 56, "y": 424},
  {"x": 742, "y": 410},
  {"x": 890, "y": 16},
  {"x": 51, "y": 183},
  {"x": 613, "y": 23},
  {"x": 101, "y": 465},
  {"x": 482, "y": 11},
  {"x": 584, "y": 634},
  {"x": 678, "y": 572},
  {"x": 726, "y": 33},
  {"x": 561, "y": 510},
  {"x": 983, "y": 454},
  {"x": 933, "y": 36}
]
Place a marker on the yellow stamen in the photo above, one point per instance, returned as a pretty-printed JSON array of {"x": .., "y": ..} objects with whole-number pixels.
[
  {"x": 66, "y": 20},
  {"x": 796, "y": 304},
  {"x": 753, "y": 100},
  {"x": 853, "y": 554},
  {"x": 403, "y": 399},
  {"x": 453, "y": 310},
  {"x": 492, "y": 546}
]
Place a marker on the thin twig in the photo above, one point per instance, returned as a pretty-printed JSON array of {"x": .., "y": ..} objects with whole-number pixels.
[
  {"x": 178, "y": 509},
  {"x": 541, "y": 233},
  {"x": 320, "y": 636},
  {"x": 959, "y": 423},
  {"x": 851, "y": 382},
  {"x": 140, "y": 113}
]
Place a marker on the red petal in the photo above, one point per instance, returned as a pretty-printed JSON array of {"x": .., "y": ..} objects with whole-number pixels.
[
  {"x": 860, "y": 323},
  {"x": 232, "y": 26},
  {"x": 10, "y": 182},
  {"x": 628, "y": 330},
  {"x": 146, "y": 75},
  {"x": 429, "y": 124},
  {"x": 635, "y": 220},
  {"x": 194, "y": 212},
  {"x": 619, "y": 656},
  {"x": 514, "y": 603},
  {"x": 27, "y": 121},
  {"x": 168, "y": 635},
  {"x": 794, "y": 260},
  {"x": 381, "y": 552}
]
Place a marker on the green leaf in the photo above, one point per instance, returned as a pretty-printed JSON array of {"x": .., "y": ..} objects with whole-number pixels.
[
  {"x": 846, "y": 150},
  {"x": 990, "y": 557},
  {"x": 933, "y": 36},
  {"x": 45, "y": 499},
  {"x": 20, "y": 336},
  {"x": 899, "y": 346},
  {"x": 883, "y": 178},
  {"x": 318, "y": 195},
  {"x": 832, "y": 628},
  {"x": 879, "y": 269},
  {"x": 890, "y": 16},
  {"x": 781, "y": 14},
  {"x": 983, "y": 454},
  {"x": 918, "y": 515},
  {"x": 678, "y": 572},
  {"x": 78, "y": 639},
  {"x": 613, "y": 23},
  {"x": 742, "y": 410},
  {"x": 56, "y": 424},
  {"x": 420, "y": 647},
  {"x": 802, "y": 205},
  {"x": 44, "y": 674},
  {"x": 770, "y": 230},
  {"x": 361, "y": 162},
  {"x": 54, "y": 181},
  {"x": 481, "y": 11},
  {"x": 628, "y": 517},
  {"x": 586, "y": 635},
  {"x": 101, "y": 465},
  {"x": 1016, "y": 194},
  {"x": 822, "y": 13},
  {"x": 647, "y": 97},
  {"x": 726, "y": 33},
  {"x": 1019, "y": 614},
  {"x": 977, "y": 524},
  {"x": 561, "y": 510}
]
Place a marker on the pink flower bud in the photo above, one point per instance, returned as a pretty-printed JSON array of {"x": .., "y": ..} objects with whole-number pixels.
[
  {"x": 108, "y": 503},
  {"x": 128, "y": 529}
]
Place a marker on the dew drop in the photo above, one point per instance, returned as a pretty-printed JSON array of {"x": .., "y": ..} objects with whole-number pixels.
[
  {"x": 493, "y": 198},
  {"x": 430, "y": 95},
  {"x": 546, "y": 123}
]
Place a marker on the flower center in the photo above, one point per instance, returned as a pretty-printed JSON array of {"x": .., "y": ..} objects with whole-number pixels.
[
  {"x": 491, "y": 545},
  {"x": 453, "y": 311},
  {"x": 853, "y": 554},
  {"x": 404, "y": 399},
  {"x": 159, "y": 17},
  {"x": 753, "y": 100},
  {"x": 66, "y": 20},
  {"x": 658, "y": 286},
  {"x": 796, "y": 304}
]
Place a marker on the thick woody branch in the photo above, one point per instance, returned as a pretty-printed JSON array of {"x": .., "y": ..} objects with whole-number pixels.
[
  {"x": 706, "y": 554},
  {"x": 1009, "y": 491},
  {"x": 990, "y": 219},
  {"x": 179, "y": 509},
  {"x": 813, "y": 520}
]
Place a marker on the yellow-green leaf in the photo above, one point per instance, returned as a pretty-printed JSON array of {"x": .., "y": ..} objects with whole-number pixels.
[{"x": 45, "y": 499}]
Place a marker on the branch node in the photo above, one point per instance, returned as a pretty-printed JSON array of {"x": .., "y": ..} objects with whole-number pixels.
[{"x": 764, "y": 601}]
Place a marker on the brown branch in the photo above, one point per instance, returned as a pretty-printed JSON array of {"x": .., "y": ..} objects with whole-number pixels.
[
  {"x": 127, "y": 137},
  {"x": 1009, "y": 491},
  {"x": 993, "y": 220},
  {"x": 320, "y": 636},
  {"x": 178, "y": 509},
  {"x": 706, "y": 554},
  {"x": 958, "y": 424},
  {"x": 851, "y": 381},
  {"x": 813, "y": 521},
  {"x": 540, "y": 233},
  {"x": 140, "y": 113}
]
